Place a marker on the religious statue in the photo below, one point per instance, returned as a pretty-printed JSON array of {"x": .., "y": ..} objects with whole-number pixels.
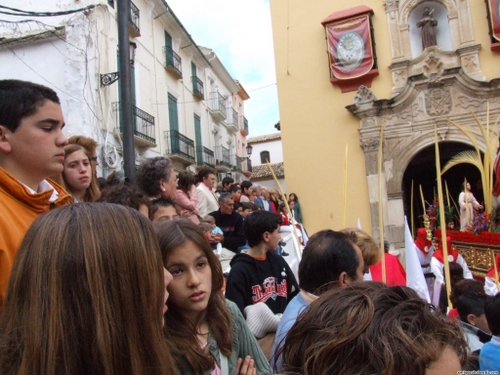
[
  {"x": 468, "y": 207},
  {"x": 428, "y": 23}
]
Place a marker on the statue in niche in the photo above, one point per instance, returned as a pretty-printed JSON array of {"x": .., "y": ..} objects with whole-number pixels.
[{"x": 428, "y": 23}]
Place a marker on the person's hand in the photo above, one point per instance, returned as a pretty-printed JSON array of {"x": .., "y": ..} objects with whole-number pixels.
[
  {"x": 246, "y": 367},
  {"x": 185, "y": 213},
  {"x": 218, "y": 237}
]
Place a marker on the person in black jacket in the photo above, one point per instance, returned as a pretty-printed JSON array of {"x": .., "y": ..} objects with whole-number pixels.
[
  {"x": 230, "y": 222},
  {"x": 260, "y": 275}
]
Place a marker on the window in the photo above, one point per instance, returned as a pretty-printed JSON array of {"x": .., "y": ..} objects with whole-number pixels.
[
  {"x": 173, "y": 116},
  {"x": 265, "y": 157}
]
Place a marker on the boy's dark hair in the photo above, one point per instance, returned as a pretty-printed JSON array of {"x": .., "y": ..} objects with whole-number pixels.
[
  {"x": 237, "y": 205},
  {"x": 234, "y": 188},
  {"x": 466, "y": 286},
  {"x": 245, "y": 185},
  {"x": 249, "y": 206},
  {"x": 258, "y": 223},
  {"x": 328, "y": 253},
  {"x": 125, "y": 196},
  {"x": 471, "y": 303},
  {"x": 492, "y": 312},
  {"x": 157, "y": 203},
  {"x": 20, "y": 99},
  {"x": 227, "y": 180}
]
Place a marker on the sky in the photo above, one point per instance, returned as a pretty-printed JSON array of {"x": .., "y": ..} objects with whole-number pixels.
[{"x": 239, "y": 31}]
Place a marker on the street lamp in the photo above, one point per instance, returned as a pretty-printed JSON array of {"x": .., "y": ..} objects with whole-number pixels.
[
  {"x": 109, "y": 78},
  {"x": 249, "y": 149}
]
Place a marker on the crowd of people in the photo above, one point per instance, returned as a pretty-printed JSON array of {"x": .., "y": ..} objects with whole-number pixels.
[{"x": 105, "y": 276}]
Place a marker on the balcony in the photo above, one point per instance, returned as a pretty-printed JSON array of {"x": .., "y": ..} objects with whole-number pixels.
[
  {"x": 134, "y": 21},
  {"x": 205, "y": 157},
  {"x": 244, "y": 129},
  {"x": 241, "y": 163},
  {"x": 232, "y": 122},
  {"x": 144, "y": 126},
  {"x": 173, "y": 62},
  {"x": 197, "y": 88},
  {"x": 179, "y": 147},
  {"x": 217, "y": 106},
  {"x": 223, "y": 161}
]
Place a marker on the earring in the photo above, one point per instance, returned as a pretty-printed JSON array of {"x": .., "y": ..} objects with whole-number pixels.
[{"x": 162, "y": 189}]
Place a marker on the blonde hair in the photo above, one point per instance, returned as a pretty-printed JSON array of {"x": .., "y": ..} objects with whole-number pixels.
[{"x": 367, "y": 245}]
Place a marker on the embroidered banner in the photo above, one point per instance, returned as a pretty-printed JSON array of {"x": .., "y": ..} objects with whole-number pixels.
[
  {"x": 494, "y": 8},
  {"x": 350, "y": 48}
]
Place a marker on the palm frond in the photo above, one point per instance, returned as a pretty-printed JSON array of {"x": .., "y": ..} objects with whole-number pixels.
[
  {"x": 467, "y": 157},
  {"x": 468, "y": 133}
]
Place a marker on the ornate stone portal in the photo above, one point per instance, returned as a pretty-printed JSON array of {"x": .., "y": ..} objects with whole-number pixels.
[{"x": 436, "y": 86}]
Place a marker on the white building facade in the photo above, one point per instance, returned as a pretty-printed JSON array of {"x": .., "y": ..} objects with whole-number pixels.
[
  {"x": 182, "y": 93},
  {"x": 267, "y": 148}
]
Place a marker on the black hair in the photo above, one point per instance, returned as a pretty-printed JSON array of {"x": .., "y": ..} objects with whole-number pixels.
[
  {"x": 245, "y": 185},
  {"x": 249, "y": 205},
  {"x": 237, "y": 205},
  {"x": 20, "y": 99},
  {"x": 328, "y": 253},
  {"x": 124, "y": 195},
  {"x": 258, "y": 223},
  {"x": 471, "y": 303},
  {"x": 227, "y": 180},
  {"x": 204, "y": 173},
  {"x": 159, "y": 202},
  {"x": 234, "y": 188},
  {"x": 492, "y": 312}
]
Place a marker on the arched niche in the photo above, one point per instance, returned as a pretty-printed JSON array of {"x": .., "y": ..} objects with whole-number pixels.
[
  {"x": 443, "y": 30},
  {"x": 454, "y": 16}
]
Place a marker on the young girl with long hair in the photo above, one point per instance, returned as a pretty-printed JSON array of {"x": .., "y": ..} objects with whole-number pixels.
[
  {"x": 78, "y": 176},
  {"x": 206, "y": 333},
  {"x": 87, "y": 295}
]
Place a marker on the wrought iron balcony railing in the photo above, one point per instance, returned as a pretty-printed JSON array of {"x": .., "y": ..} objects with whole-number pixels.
[
  {"x": 133, "y": 18},
  {"x": 218, "y": 103},
  {"x": 205, "y": 156},
  {"x": 173, "y": 61},
  {"x": 197, "y": 87},
  {"x": 179, "y": 144},
  {"x": 144, "y": 123},
  {"x": 222, "y": 155}
]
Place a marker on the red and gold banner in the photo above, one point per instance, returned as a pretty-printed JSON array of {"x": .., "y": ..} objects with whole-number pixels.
[
  {"x": 350, "y": 47},
  {"x": 494, "y": 7}
]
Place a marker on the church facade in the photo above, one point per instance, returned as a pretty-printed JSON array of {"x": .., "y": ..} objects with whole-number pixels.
[{"x": 429, "y": 65}]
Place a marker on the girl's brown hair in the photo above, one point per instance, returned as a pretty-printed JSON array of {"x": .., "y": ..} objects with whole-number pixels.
[
  {"x": 369, "y": 328},
  {"x": 93, "y": 193},
  {"x": 182, "y": 334},
  {"x": 85, "y": 296}
]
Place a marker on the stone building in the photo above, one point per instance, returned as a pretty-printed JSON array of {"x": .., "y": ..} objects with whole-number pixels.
[{"x": 407, "y": 89}]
